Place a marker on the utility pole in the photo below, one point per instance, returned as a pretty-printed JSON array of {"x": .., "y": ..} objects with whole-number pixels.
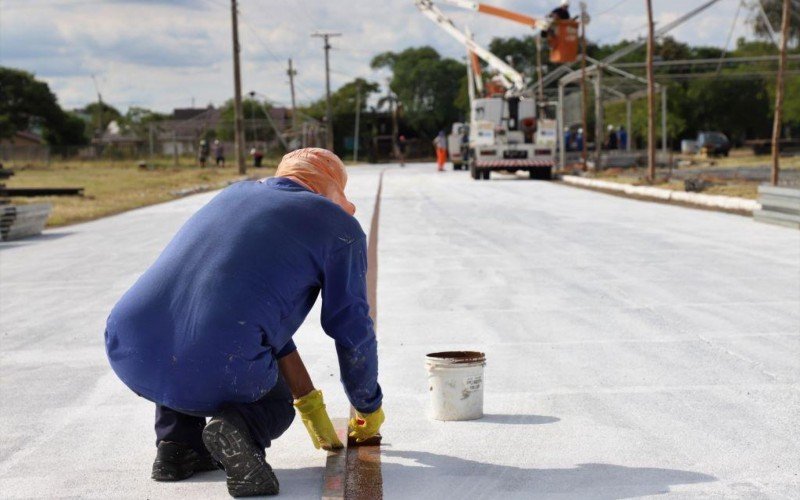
[
  {"x": 100, "y": 128},
  {"x": 584, "y": 89},
  {"x": 651, "y": 98},
  {"x": 237, "y": 95},
  {"x": 292, "y": 72},
  {"x": 776, "y": 126},
  {"x": 599, "y": 133},
  {"x": 393, "y": 110},
  {"x": 358, "y": 121},
  {"x": 328, "y": 111}
]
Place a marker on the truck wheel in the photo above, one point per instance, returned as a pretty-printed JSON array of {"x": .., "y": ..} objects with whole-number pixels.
[
  {"x": 486, "y": 174},
  {"x": 473, "y": 172},
  {"x": 544, "y": 174}
]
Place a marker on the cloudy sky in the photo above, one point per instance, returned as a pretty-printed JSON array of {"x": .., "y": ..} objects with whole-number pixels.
[{"x": 163, "y": 54}]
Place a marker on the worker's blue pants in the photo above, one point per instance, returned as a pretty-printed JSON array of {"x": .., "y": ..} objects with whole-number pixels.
[{"x": 265, "y": 420}]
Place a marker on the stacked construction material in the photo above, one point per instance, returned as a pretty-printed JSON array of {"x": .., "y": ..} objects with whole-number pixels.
[
  {"x": 779, "y": 205},
  {"x": 20, "y": 221},
  {"x": 4, "y": 174}
]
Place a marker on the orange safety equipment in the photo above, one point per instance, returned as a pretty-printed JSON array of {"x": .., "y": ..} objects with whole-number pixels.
[
  {"x": 564, "y": 41},
  {"x": 319, "y": 170},
  {"x": 441, "y": 158}
]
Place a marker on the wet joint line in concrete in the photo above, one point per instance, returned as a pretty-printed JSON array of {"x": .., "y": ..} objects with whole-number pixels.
[
  {"x": 355, "y": 471},
  {"x": 372, "y": 255},
  {"x": 333, "y": 480}
]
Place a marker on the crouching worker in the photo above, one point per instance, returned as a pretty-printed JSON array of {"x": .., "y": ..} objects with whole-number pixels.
[{"x": 207, "y": 330}]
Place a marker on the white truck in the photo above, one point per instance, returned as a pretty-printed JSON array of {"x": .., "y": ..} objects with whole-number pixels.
[
  {"x": 503, "y": 137},
  {"x": 455, "y": 143},
  {"x": 503, "y": 131}
]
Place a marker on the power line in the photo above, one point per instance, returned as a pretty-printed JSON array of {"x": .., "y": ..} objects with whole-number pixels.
[
  {"x": 611, "y": 8},
  {"x": 708, "y": 61},
  {"x": 297, "y": 82}
]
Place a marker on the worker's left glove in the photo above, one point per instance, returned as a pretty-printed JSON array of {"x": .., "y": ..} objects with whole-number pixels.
[
  {"x": 318, "y": 424},
  {"x": 365, "y": 425}
]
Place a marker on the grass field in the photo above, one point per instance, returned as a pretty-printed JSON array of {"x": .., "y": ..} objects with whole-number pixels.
[{"x": 114, "y": 187}]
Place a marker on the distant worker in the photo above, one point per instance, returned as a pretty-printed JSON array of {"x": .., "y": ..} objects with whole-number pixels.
[
  {"x": 401, "y": 149},
  {"x": 465, "y": 145},
  {"x": 560, "y": 13},
  {"x": 207, "y": 329},
  {"x": 440, "y": 143},
  {"x": 569, "y": 140},
  {"x": 622, "y": 138},
  {"x": 258, "y": 156},
  {"x": 202, "y": 154},
  {"x": 219, "y": 153},
  {"x": 579, "y": 140},
  {"x": 611, "y": 142}
]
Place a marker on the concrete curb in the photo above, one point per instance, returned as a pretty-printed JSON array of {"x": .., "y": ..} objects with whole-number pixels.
[{"x": 703, "y": 200}]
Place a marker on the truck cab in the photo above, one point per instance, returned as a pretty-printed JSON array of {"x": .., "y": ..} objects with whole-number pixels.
[{"x": 504, "y": 136}]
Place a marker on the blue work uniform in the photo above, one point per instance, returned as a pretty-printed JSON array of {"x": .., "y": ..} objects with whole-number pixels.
[{"x": 204, "y": 326}]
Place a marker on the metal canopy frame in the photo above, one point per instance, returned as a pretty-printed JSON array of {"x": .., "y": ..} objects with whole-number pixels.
[{"x": 594, "y": 73}]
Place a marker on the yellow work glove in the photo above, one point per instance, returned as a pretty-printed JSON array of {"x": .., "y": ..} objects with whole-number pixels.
[
  {"x": 318, "y": 424},
  {"x": 365, "y": 425}
]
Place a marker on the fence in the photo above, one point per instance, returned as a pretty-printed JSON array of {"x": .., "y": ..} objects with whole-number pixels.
[{"x": 24, "y": 154}]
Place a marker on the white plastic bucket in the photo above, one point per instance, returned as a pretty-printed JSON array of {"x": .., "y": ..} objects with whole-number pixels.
[{"x": 455, "y": 382}]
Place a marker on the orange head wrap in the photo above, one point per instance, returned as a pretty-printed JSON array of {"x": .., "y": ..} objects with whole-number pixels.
[{"x": 320, "y": 171}]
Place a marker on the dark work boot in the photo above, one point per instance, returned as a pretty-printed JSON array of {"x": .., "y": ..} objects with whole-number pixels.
[
  {"x": 229, "y": 442},
  {"x": 175, "y": 461}
]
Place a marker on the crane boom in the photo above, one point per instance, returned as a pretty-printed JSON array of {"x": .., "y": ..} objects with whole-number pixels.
[
  {"x": 475, "y": 71},
  {"x": 499, "y": 12},
  {"x": 432, "y": 12}
]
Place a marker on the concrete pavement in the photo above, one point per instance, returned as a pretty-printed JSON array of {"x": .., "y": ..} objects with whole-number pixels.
[{"x": 632, "y": 348}]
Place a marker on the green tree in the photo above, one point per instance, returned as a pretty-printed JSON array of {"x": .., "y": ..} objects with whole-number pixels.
[
  {"x": 424, "y": 84},
  {"x": 26, "y": 102},
  {"x": 254, "y": 114},
  {"x": 137, "y": 120},
  {"x": 774, "y": 11},
  {"x": 343, "y": 108},
  {"x": 520, "y": 53},
  {"x": 101, "y": 115},
  {"x": 791, "y": 91},
  {"x": 68, "y": 129},
  {"x": 343, "y": 100}
]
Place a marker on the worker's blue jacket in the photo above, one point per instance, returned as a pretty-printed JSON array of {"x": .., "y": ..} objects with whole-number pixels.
[{"x": 205, "y": 324}]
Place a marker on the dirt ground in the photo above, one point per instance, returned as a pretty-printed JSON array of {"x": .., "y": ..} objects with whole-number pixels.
[
  {"x": 738, "y": 175},
  {"x": 113, "y": 187}
]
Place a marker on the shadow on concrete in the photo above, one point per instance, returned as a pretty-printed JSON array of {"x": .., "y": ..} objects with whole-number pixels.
[
  {"x": 294, "y": 483},
  {"x": 498, "y": 418},
  {"x": 34, "y": 239},
  {"x": 207, "y": 477},
  {"x": 461, "y": 477},
  {"x": 294, "y": 476}
]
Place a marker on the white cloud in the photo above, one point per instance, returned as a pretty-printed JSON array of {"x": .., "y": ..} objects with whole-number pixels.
[{"x": 161, "y": 53}]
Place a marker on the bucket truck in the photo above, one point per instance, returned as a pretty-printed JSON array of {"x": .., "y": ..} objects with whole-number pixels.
[{"x": 503, "y": 126}]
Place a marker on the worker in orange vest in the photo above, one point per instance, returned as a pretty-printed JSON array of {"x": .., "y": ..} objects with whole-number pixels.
[{"x": 440, "y": 143}]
